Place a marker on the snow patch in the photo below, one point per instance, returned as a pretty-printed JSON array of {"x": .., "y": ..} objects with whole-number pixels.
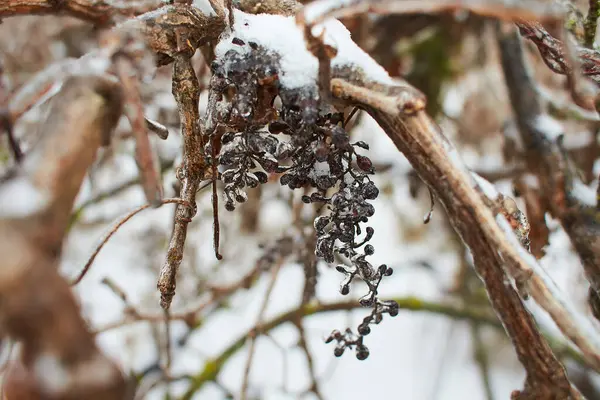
[
  {"x": 488, "y": 189},
  {"x": 550, "y": 127},
  {"x": 205, "y": 7},
  {"x": 585, "y": 194},
  {"x": 20, "y": 198},
  {"x": 53, "y": 377},
  {"x": 319, "y": 169},
  {"x": 282, "y": 36}
]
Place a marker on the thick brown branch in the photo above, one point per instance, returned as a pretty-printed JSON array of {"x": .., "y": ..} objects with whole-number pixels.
[
  {"x": 37, "y": 308},
  {"x": 89, "y": 109},
  {"x": 546, "y": 159},
  {"x": 440, "y": 168},
  {"x": 99, "y": 12}
]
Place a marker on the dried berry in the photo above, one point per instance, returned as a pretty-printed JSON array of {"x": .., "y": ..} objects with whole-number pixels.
[
  {"x": 364, "y": 163},
  {"x": 310, "y": 149},
  {"x": 362, "y": 352}
]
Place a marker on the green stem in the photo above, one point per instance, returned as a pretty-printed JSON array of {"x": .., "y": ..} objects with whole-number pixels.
[
  {"x": 213, "y": 367},
  {"x": 591, "y": 22}
]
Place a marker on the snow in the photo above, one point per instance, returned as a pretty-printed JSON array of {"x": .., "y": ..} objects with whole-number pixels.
[
  {"x": 560, "y": 309},
  {"x": 20, "y": 198},
  {"x": 205, "y": 7},
  {"x": 317, "y": 9},
  {"x": 281, "y": 36},
  {"x": 320, "y": 168},
  {"x": 531, "y": 180},
  {"x": 488, "y": 189},
  {"x": 54, "y": 378},
  {"x": 549, "y": 126},
  {"x": 583, "y": 193}
]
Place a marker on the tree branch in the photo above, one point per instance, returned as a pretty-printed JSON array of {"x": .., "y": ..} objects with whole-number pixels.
[
  {"x": 439, "y": 166},
  {"x": 99, "y": 12},
  {"x": 549, "y": 162},
  {"x": 37, "y": 306},
  {"x": 187, "y": 92}
]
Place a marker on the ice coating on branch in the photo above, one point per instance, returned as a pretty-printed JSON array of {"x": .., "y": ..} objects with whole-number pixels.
[{"x": 282, "y": 36}]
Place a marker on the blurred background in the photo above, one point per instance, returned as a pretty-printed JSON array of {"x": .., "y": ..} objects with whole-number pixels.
[{"x": 446, "y": 342}]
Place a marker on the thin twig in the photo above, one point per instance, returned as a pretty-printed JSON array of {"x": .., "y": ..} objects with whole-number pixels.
[
  {"x": 255, "y": 332},
  {"x": 144, "y": 154},
  {"x": 314, "y": 383},
  {"x": 481, "y": 357},
  {"x": 114, "y": 230},
  {"x": 214, "y": 366}
]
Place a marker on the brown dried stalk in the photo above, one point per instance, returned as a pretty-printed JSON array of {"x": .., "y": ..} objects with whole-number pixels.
[
  {"x": 186, "y": 90},
  {"x": 38, "y": 308},
  {"x": 145, "y": 157}
]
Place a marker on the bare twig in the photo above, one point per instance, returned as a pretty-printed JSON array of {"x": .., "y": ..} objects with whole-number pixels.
[
  {"x": 144, "y": 155},
  {"x": 114, "y": 230},
  {"x": 314, "y": 384},
  {"x": 534, "y": 10},
  {"x": 214, "y": 366},
  {"x": 554, "y": 55},
  {"x": 186, "y": 91},
  {"x": 258, "y": 326},
  {"x": 549, "y": 162},
  {"x": 481, "y": 357}
]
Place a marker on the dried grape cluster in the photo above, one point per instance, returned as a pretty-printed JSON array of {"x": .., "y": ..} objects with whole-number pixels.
[{"x": 304, "y": 142}]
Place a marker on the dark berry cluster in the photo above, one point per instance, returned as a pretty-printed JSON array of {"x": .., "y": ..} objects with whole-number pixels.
[
  {"x": 303, "y": 141},
  {"x": 242, "y": 153},
  {"x": 348, "y": 340}
]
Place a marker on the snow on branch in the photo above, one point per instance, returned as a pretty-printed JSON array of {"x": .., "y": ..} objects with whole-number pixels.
[{"x": 281, "y": 36}]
